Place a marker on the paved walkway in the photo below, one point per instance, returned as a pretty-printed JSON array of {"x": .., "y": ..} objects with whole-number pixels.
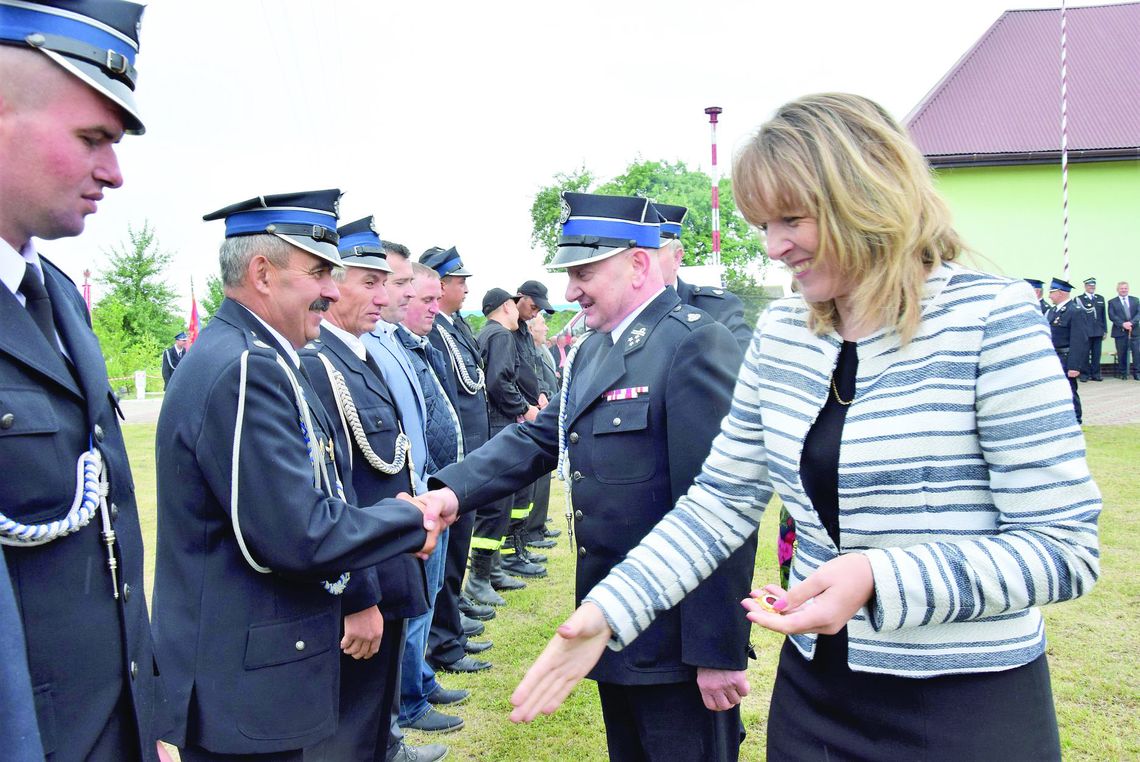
[
  {"x": 1108, "y": 402},
  {"x": 1112, "y": 401}
]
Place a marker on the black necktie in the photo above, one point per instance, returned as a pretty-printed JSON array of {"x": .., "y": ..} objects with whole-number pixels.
[
  {"x": 38, "y": 304},
  {"x": 464, "y": 328}
]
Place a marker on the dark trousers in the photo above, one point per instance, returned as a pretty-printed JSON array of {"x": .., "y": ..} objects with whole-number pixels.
[
  {"x": 1096, "y": 344},
  {"x": 493, "y": 519},
  {"x": 536, "y": 522},
  {"x": 446, "y": 638},
  {"x": 521, "y": 504},
  {"x": 1127, "y": 350},
  {"x": 1063, "y": 356},
  {"x": 368, "y": 689},
  {"x": 647, "y": 723}
]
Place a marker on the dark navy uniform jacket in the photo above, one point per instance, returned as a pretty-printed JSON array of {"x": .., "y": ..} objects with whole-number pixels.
[
  {"x": 723, "y": 306},
  {"x": 640, "y": 420},
  {"x": 1094, "y": 305},
  {"x": 399, "y": 585},
  {"x": 251, "y": 660},
  {"x": 472, "y": 408},
  {"x": 170, "y": 360},
  {"x": 1071, "y": 327},
  {"x": 85, "y": 649}
]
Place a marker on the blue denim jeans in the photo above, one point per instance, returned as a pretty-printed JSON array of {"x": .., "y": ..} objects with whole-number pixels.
[{"x": 417, "y": 679}]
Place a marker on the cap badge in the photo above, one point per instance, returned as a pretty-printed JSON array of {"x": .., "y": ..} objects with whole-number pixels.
[
  {"x": 336, "y": 208},
  {"x": 564, "y": 213},
  {"x": 636, "y": 336},
  {"x": 371, "y": 224}
]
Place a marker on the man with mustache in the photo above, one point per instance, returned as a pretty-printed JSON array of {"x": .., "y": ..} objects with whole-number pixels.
[
  {"x": 256, "y": 538},
  {"x": 73, "y": 616}
]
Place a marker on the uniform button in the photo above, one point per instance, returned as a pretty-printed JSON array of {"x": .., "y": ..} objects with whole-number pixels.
[
  {"x": 617, "y": 422},
  {"x": 578, "y": 515},
  {"x": 114, "y": 511},
  {"x": 299, "y": 645},
  {"x": 126, "y": 593},
  {"x": 7, "y": 420},
  {"x": 573, "y": 434},
  {"x": 134, "y": 670},
  {"x": 99, "y": 433},
  {"x": 576, "y": 476},
  {"x": 582, "y": 551}
]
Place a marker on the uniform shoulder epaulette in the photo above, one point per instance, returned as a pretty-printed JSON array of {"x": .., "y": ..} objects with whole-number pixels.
[
  {"x": 709, "y": 292},
  {"x": 258, "y": 347},
  {"x": 690, "y": 316}
]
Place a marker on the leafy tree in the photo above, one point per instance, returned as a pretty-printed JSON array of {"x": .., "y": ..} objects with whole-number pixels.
[
  {"x": 139, "y": 315},
  {"x": 546, "y": 210},
  {"x": 673, "y": 183},
  {"x": 212, "y": 299}
]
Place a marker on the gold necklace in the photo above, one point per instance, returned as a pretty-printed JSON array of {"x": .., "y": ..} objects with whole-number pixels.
[{"x": 840, "y": 400}]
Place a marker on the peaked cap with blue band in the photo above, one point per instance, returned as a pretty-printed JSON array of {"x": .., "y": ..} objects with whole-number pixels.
[
  {"x": 307, "y": 220},
  {"x": 671, "y": 217},
  {"x": 94, "y": 40},
  {"x": 360, "y": 246},
  {"x": 445, "y": 262},
  {"x": 595, "y": 227},
  {"x": 1060, "y": 285}
]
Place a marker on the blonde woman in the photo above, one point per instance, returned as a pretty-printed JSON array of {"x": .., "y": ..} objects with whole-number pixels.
[{"x": 898, "y": 404}]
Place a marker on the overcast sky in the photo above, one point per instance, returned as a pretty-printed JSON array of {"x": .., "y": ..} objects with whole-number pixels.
[{"x": 444, "y": 118}]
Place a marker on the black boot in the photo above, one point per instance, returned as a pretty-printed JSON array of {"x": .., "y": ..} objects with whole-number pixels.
[
  {"x": 473, "y": 610},
  {"x": 517, "y": 564},
  {"x": 499, "y": 580},
  {"x": 477, "y": 586}
]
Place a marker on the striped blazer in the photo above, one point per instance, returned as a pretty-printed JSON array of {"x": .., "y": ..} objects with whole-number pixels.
[{"x": 962, "y": 477}]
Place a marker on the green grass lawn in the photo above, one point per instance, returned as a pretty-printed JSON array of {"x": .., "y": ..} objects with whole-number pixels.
[{"x": 1093, "y": 642}]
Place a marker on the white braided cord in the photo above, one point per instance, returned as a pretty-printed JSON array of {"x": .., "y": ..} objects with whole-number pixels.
[
  {"x": 563, "y": 455},
  {"x": 350, "y": 417},
  {"x": 91, "y": 488},
  {"x": 321, "y": 478},
  {"x": 466, "y": 383}
]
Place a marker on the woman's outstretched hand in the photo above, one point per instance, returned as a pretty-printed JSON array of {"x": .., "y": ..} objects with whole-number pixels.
[
  {"x": 823, "y": 603},
  {"x": 567, "y": 658}
]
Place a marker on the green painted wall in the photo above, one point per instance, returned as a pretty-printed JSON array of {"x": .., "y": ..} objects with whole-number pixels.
[{"x": 1011, "y": 216}]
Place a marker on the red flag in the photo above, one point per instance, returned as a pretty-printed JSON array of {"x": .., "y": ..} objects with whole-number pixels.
[{"x": 192, "y": 330}]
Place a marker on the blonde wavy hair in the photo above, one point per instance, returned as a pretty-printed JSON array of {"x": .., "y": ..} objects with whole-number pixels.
[{"x": 845, "y": 161}]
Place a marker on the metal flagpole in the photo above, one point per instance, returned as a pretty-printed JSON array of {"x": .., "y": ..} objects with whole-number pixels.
[
  {"x": 714, "y": 112},
  {"x": 1064, "y": 149}
]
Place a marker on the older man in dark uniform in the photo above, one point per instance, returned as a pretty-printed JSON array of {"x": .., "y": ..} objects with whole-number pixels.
[
  {"x": 256, "y": 541},
  {"x": 1095, "y": 311},
  {"x": 1038, "y": 286},
  {"x": 450, "y": 334},
  {"x": 173, "y": 355},
  {"x": 638, "y": 411},
  {"x": 722, "y": 305},
  {"x": 378, "y": 602},
  {"x": 72, "y": 542},
  {"x": 1070, "y": 326}
]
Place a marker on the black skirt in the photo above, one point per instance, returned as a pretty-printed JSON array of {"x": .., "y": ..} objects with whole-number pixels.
[{"x": 822, "y": 710}]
